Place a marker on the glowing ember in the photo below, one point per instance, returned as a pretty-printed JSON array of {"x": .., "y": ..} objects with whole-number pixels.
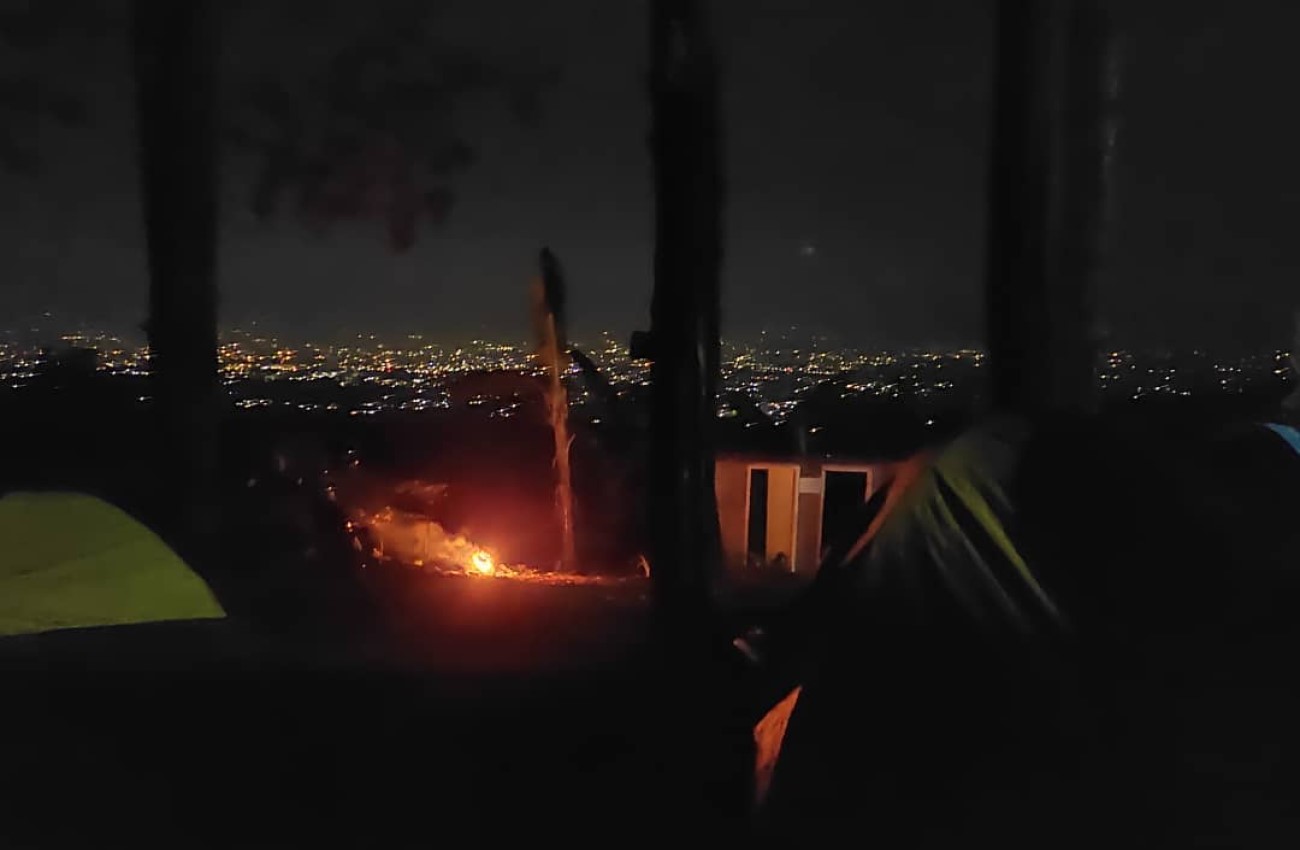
[
  {"x": 482, "y": 562},
  {"x": 397, "y": 536}
]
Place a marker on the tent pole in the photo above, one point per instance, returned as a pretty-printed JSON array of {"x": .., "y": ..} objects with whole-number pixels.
[
  {"x": 684, "y": 310},
  {"x": 174, "y": 67},
  {"x": 1056, "y": 82}
]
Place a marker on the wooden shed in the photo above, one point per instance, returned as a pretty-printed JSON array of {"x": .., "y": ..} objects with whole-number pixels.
[{"x": 783, "y": 510}]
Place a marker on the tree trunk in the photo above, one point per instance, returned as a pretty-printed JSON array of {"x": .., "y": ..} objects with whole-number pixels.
[
  {"x": 685, "y": 309},
  {"x": 549, "y": 352},
  {"x": 174, "y": 67},
  {"x": 1053, "y": 140}
]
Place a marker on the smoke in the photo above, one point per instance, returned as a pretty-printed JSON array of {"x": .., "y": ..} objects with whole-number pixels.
[{"x": 413, "y": 538}]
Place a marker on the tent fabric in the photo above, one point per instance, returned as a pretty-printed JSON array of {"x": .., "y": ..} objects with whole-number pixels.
[
  {"x": 958, "y": 512},
  {"x": 1290, "y": 435},
  {"x": 1036, "y": 619},
  {"x": 768, "y": 736},
  {"x": 70, "y": 560},
  {"x": 952, "y": 510}
]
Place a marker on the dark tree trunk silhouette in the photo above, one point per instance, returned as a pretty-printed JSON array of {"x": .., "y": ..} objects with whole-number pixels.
[
  {"x": 685, "y": 308},
  {"x": 174, "y": 67},
  {"x": 552, "y": 343},
  {"x": 1053, "y": 140}
]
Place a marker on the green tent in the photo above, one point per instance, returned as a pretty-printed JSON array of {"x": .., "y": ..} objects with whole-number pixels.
[
  {"x": 68, "y": 560},
  {"x": 1051, "y": 632}
]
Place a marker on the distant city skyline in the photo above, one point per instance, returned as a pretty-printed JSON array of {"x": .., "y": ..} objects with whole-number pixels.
[
  {"x": 759, "y": 384},
  {"x": 49, "y": 328},
  {"x": 53, "y": 325}
]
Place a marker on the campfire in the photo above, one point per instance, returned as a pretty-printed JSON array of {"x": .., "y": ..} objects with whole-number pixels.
[
  {"x": 483, "y": 562},
  {"x": 412, "y": 539}
]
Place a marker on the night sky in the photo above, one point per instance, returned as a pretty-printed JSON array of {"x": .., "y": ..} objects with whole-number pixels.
[{"x": 856, "y": 148}]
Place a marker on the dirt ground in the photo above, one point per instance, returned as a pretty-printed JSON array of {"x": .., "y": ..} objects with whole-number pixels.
[{"x": 501, "y": 707}]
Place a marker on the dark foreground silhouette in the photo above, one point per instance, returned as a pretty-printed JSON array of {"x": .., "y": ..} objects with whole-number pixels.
[
  {"x": 1067, "y": 634},
  {"x": 206, "y": 735},
  {"x": 1141, "y": 696}
]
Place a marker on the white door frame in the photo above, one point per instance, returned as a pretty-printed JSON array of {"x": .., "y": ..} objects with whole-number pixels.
[{"x": 794, "y": 519}]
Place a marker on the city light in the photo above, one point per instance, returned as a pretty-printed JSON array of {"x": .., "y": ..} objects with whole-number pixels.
[{"x": 368, "y": 376}]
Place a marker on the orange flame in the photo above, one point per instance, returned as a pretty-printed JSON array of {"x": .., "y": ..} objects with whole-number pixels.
[
  {"x": 420, "y": 541},
  {"x": 482, "y": 562}
]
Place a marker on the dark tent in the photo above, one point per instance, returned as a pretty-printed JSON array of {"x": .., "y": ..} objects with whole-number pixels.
[{"x": 1064, "y": 634}]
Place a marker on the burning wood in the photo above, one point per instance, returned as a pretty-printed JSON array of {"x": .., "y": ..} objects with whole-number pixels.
[
  {"x": 483, "y": 563},
  {"x": 415, "y": 540},
  {"x": 421, "y": 542}
]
